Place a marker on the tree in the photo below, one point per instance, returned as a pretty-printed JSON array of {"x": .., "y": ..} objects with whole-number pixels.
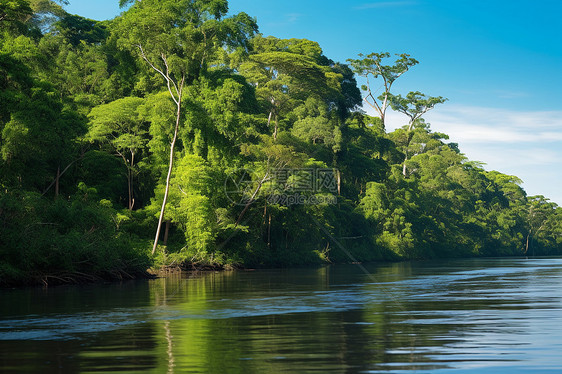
[
  {"x": 286, "y": 72},
  {"x": 367, "y": 153},
  {"x": 182, "y": 36},
  {"x": 76, "y": 29},
  {"x": 372, "y": 65},
  {"x": 315, "y": 124},
  {"x": 38, "y": 139},
  {"x": 268, "y": 158},
  {"x": 539, "y": 210},
  {"x": 119, "y": 125},
  {"x": 30, "y": 17},
  {"x": 176, "y": 94},
  {"x": 75, "y": 60},
  {"x": 414, "y": 105}
]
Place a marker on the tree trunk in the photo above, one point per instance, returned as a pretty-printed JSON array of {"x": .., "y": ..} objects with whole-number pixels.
[
  {"x": 269, "y": 232},
  {"x": 60, "y": 175},
  {"x": 57, "y": 182},
  {"x": 276, "y": 127},
  {"x": 252, "y": 199},
  {"x": 339, "y": 182},
  {"x": 166, "y": 232},
  {"x": 404, "y": 166},
  {"x": 179, "y": 91},
  {"x": 129, "y": 203},
  {"x": 170, "y": 167},
  {"x": 271, "y": 115},
  {"x": 408, "y": 141},
  {"x": 130, "y": 182}
]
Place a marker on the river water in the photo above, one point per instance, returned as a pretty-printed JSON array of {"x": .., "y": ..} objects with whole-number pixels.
[{"x": 461, "y": 316}]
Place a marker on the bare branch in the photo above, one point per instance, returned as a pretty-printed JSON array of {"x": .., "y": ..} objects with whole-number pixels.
[
  {"x": 143, "y": 55},
  {"x": 252, "y": 199},
  {"x": 60, "y": 175},
  {"x": 374, "y": 104},
  {"x": 166, "y": 76}
]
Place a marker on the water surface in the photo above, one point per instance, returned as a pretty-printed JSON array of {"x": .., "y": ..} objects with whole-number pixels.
[{"x": 462, "y": 316}]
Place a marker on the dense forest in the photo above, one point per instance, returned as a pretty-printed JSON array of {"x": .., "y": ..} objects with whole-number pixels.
[{"x": 177, "y": 135}]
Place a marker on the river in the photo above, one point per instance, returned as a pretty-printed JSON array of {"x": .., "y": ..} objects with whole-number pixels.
[{"x": 461, "y": 316}]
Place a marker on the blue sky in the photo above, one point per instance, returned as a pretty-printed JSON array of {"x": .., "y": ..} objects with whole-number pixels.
[{"x": 498, "y": 62}]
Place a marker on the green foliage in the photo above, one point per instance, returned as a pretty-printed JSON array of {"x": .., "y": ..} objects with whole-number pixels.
[
  {"x": 38, "y": 138},
  {"x": 14, "y": 14},
  {"x": 314, "y": 124},
  {"x": 288, "y": 73},
  {"x": 105, "y": 173},
  {"x": 372, "y": 64},
  {"x": 86, "y": 129},
  {"x": 414, "y": 105},
  {"x": 119, "y": 124},
  {"x": 187, "y": 32},
  {"x": 65, "y": 241},
  {"x": 191, "y": 207},
  {"x": 78, "y": 29}
]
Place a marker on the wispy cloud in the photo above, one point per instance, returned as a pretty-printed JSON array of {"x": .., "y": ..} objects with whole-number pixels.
[
  {"x": 292, "y": 17},
  {"x": 286, "y": 19},
  {"x": 384, "y": 4},
  {"x": 503, "y": 94},
  {"x": 489, "y": 125},
  {"x": 527, "y": 144}
]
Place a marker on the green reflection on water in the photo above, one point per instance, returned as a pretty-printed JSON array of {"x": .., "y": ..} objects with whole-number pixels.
[{"x": 407, "y": 316}]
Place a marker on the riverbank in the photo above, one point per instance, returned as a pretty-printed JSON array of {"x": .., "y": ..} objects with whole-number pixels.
[{"x": 74, "y": 277}]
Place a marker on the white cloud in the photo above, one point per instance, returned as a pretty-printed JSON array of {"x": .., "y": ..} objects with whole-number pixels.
[
  {"x": 467, "y": 124},
  {"x": 527, "y": 144}
]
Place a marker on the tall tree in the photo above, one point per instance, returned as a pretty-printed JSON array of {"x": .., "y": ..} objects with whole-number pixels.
[
  {"x": 178, "y": 39},
  {"x": 176, "y": 93},
  {"x": 373, "y": 65},
  {"x": 37, "y": 132}
]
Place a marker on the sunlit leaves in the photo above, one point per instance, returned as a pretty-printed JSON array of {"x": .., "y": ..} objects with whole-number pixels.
[
  {"x": 373, "y": 64},
  {"x": 414, "y": 105},
  {"x": 119, "y": 125},
  {"x": 118, "y": 122},
  {"x": 189, "y": 33}
]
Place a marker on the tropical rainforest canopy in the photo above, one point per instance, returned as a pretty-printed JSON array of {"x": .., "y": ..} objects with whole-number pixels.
[{"x": 179, "y": 122}]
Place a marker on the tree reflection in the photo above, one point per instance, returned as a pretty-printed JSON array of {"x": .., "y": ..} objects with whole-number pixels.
[
  {"x": 401, "y": 317},
  {"x": 288, "y": 321}
]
